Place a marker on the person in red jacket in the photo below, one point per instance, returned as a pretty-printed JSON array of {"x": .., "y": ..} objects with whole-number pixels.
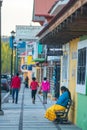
[
  {"x": 15, "y": 85},
  {"x": 33, "y": 85}
]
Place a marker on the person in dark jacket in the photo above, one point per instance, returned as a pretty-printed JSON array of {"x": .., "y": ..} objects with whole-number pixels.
[
  {"x": 26, "y": 81},
  {"x": 15, "y": 85}
]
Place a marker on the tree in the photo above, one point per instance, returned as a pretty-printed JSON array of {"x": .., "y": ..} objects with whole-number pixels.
[{"x": 5, "y": 58}]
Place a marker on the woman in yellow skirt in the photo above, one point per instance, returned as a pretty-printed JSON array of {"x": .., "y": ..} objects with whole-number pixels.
[{"x": 60, "y": 105}]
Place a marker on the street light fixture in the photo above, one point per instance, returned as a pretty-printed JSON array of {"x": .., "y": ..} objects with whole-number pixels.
[
  {"x": 12, "y": 37},
  {"x": 1, "y": 112}
]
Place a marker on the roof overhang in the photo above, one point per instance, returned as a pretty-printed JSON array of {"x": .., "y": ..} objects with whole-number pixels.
[
  {"x": 40, "y": 10},
  {"x": 69, "y": 23}
]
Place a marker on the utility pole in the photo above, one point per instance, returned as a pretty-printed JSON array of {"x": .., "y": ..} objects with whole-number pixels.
[{"x": 1, "y": 112}]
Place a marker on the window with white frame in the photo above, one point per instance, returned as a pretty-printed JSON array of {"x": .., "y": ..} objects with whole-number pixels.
[
  {"x": 81, "y": 67},
  {"x": 81, "y": 86},
  {"x": 65, "y": 65}
]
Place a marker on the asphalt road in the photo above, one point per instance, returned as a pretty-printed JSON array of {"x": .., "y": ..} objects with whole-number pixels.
[{"x": 3, "y": 93}]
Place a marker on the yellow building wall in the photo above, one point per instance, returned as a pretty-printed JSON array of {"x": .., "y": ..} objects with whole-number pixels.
[
  {"x": 38, "y": 74},
  {"x": 72, "y": 77},
  {"x": 22, "y": 60},
  {"x": 29, "y": 73}
]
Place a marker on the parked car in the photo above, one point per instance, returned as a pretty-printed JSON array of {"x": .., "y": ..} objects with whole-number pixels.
[
  {"x": 7, "y": 76},
  {"x": 9, "y": 79},
  {"x": 4, "y": 84},
  {"x": 4, "y": 76}
]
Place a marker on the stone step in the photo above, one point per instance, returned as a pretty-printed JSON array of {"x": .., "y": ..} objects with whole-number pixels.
[{"x": 68, "y": 127}]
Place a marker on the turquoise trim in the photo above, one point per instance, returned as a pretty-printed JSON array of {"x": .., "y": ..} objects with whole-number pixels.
[
  {"x": 40, "y": 49},
  {"x": 83, "y": 38},
  {"x": 81, "y": 119}
]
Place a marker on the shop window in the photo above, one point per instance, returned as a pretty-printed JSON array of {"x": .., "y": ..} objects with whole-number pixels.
[
  {"x": 65, "y": 65},
  {"x": 81, "y": 68}
]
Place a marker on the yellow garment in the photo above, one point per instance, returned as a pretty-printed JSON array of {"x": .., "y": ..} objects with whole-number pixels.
[{"x": 50, "y": 112}]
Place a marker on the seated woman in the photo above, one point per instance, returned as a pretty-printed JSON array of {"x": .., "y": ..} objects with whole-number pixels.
[{"x": 60, "y": 104}]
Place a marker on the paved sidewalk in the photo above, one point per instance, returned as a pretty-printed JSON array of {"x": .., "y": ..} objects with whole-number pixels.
[
  {"x": 25, "y": 115},
  {"x": 28, "y": 116},
  {"x": 10, "y": 119}
]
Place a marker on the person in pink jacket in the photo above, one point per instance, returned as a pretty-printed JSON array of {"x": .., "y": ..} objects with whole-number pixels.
[
  {"x": 15, "y": 85},
  {"x": 45, "y": 87}
]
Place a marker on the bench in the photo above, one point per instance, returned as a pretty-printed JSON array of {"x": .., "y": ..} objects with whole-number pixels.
[{"x": 62, "y": 116}]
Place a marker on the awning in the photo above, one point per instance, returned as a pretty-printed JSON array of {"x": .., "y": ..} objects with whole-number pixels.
[
  {"x": 68, "y": 24},
  {"x": 40, "y": 60}
]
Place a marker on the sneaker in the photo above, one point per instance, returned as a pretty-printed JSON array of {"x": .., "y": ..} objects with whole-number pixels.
[
  {"x": 16, "y": 102},
  {"x": 33, "y": 101}
]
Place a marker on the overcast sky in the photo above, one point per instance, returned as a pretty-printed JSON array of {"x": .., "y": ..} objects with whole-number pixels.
[{"x": 15, "y": 12}]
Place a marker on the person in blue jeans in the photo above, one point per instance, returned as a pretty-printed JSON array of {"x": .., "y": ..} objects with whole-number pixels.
[
  {"x": 15, "y": 85},
  {"x": 45, "y": 87}
]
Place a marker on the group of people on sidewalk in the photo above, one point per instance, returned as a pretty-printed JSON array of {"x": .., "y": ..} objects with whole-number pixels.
[
  {"x": 60, "y": 104},
  {"x": 34, "y": 85},
  {"x": 44, "y": 88}
]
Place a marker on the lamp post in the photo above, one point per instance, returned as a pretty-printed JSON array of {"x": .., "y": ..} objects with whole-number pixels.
[
  {"x": 1, "y": 112},
  {"x": 15, "y": 58},
  {"x": 12, "y": 36}
]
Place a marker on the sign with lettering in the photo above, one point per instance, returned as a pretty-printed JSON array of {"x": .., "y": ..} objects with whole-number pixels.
[{"x": 54, "y": 52}]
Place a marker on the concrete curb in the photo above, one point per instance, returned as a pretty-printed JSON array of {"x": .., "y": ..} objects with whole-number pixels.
[{"x": 6, "y": 98}]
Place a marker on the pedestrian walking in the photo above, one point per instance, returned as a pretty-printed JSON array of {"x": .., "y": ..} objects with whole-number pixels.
[
  {"x": 34, "y": 86},
  {"x": 26, "y": 81},
  {"x": 15, "y": 85},
  {"x": 45, "y": 87},
  {"x": 60, "y": 104}
]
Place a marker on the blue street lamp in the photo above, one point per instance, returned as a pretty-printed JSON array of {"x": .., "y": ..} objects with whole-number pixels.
[{"x": 1, "y": 112}]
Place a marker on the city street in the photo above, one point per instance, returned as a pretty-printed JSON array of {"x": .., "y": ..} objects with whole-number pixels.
[
  {"x": 25, "y": 115},
  {"x": 28, "y": 116},
  {"x": 46, "y": 41},
  {"x": 3, "y": 93},
  {"x": 5, "y": 96}
]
